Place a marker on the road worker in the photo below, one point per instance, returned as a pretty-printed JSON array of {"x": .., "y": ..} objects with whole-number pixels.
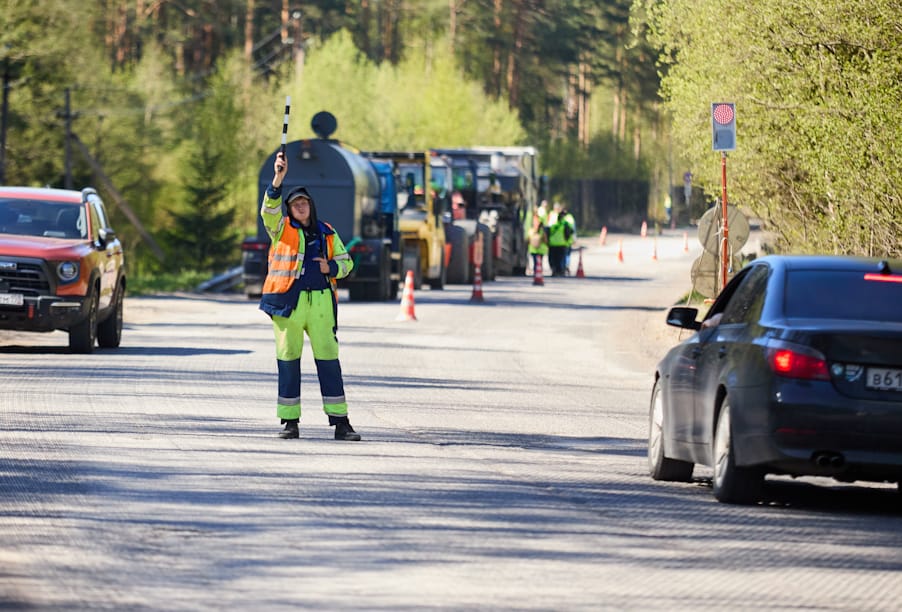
[
  {"x": 559, "y": 234},
  {"x": 570, "y": 235},
  {"x": 299, "y": 295},
  {"x": 542, "y": 211},
  {"x": 538, "y": 241}
]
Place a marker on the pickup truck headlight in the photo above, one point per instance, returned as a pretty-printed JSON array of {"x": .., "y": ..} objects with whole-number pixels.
[{"x": 67, "y": 271}]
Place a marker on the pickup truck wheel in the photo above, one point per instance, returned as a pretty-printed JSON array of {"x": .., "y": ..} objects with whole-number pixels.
[
  {"x": 109, "y": 332},
  {"x": 83, "y": 336}
]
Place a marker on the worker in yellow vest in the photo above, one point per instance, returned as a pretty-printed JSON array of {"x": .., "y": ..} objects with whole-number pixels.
[
  {"x": 570, "y": 234},
  {"x": 299, "y": 294},
  {"x": 559, "y": 234},
  {"x": 538, "y": 241},
  {"x": 542, "y": 212}
]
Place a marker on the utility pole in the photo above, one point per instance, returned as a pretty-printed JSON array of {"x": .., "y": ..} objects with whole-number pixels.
[
  {"x": 669, "y": 198},
  {"x": 4, "y": 115},
  {"x": 299, "y": 51},
  {"x": 68, "y": 162}
]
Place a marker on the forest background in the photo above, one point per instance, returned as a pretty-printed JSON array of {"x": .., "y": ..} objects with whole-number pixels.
[{"x": 178, "y": 101}]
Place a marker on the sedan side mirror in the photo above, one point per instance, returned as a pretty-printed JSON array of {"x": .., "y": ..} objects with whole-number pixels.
[{"x": 683, "y": 317}]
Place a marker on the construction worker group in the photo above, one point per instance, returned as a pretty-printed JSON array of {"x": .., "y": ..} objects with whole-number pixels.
[{"x": 553, "y": 233}]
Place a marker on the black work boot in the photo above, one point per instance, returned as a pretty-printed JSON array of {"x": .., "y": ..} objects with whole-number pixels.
[
  {"x": 343, "y": 429},
  {"x": 291, "y": 429}
]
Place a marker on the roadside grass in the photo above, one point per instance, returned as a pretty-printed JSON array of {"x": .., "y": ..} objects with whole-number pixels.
[
  {"x": 694, "y": 299},
  {"x": 168, "y": 282}
]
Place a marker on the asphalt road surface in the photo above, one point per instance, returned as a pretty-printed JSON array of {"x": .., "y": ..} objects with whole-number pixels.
[{"x": 502, "y": 466}]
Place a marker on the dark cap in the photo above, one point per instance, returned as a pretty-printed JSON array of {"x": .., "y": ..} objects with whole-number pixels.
[{"x": 298, "y": 192}]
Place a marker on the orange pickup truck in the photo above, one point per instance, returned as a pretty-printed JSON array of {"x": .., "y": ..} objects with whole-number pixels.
[{"x": 61, "y": 266}]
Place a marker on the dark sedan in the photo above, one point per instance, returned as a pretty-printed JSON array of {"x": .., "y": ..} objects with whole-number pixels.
[{"x": 796, "y": 369}]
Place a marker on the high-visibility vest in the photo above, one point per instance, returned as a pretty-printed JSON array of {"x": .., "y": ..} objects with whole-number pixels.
[
  {"x": 556, "y": 237},
  {"x": 538, "y": 241},
  {"x": 286, "y": 259}
]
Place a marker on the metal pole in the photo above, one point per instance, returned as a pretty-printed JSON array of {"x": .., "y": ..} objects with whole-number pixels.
[
  {"x": 68, "y": 161},
  {"x": 299, "y": 51},
  {"x": 670, "y": 178},
  {"x": 724, "y": 258},
  {"x": 4, "y": 114}
]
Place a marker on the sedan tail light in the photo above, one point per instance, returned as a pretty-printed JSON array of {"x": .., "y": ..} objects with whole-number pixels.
[{"x": 798, "y": 363}]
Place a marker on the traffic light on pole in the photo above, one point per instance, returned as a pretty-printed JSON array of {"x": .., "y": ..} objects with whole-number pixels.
[{"x": 723, "y": 126}]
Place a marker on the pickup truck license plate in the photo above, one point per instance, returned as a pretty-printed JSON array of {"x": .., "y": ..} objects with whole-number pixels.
[
  {"x": 12, "y": 299},
  {"x": 885, "y": 379}
]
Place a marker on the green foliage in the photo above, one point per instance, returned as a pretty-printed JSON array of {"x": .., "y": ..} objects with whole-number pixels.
[
  {"x": 41, "y": 68},
  {"x": 432, "y": 104},
  {"x": 603, "y": 158},
  {"x": 202, "y": 236},
  {"x": 149, "y": 283},
  {"x": 819, "y": 105},
  {"x": 412, "y": 106},
  {"x": 164, "y": 99}
]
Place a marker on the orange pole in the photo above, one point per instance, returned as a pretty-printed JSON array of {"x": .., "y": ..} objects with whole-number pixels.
[{"x": 724, "y": 252}]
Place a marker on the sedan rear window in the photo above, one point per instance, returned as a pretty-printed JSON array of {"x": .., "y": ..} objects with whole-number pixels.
[{"x": 833, "y": 294}]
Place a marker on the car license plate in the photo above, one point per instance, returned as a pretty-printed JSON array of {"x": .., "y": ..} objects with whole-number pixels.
[
  {"x": 12, "y": 299},
  {"x": 884, "y": 379}
]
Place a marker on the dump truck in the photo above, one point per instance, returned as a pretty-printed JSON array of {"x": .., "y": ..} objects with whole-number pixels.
[
  {"x": 357, "y": 197},
  {"x": 498, "y": 188},
  {"x": 423, "y": 181}
]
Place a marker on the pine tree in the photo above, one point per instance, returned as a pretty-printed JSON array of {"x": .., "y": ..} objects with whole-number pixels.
[{"x": 202, "y": 235}]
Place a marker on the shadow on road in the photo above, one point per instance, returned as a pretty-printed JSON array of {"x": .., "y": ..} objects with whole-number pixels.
[{"x": 165, "y": 351}]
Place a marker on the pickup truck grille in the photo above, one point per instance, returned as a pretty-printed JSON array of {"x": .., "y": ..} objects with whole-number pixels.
[{"x": 28, "y": 279}]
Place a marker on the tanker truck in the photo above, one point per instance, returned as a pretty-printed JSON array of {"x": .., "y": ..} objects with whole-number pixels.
[{"x": 354, "y": 195}]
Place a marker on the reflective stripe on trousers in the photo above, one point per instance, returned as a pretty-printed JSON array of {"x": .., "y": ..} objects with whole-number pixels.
[{"x": 314, "y": 315}]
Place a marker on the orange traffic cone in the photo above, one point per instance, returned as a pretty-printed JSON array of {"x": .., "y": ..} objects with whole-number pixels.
[
  {"x": 537, "y": 278},
  {"x": 603, "y": 235},
  {"x": 685, "y": 242},
  {"x": 620, "y": 251},
  {"x": 644, "y": 231},
  {"x": 580, "y": 273},
  {"x": 407, "y": 313},
  {"x": 654, "y": 251},
  {"x": 477, "y": 285}
]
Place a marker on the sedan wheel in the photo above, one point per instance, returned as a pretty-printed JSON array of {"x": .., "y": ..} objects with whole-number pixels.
[
  {"x": 732, "y": 484},
  {"x": 659, "y": 466}
]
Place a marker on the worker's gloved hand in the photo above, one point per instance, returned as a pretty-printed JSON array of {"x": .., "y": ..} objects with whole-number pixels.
[{"x": 280, "y": 167}]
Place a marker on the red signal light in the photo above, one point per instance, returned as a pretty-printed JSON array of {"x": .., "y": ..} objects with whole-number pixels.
[
  {"x": 723, "y": 113},
  {"x": 723, "y": 126}
]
